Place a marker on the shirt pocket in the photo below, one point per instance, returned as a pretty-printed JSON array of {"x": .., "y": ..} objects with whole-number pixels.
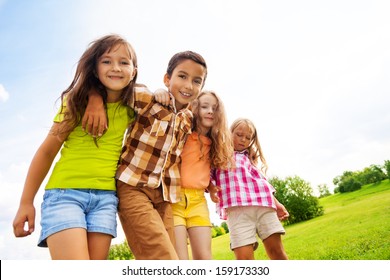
[{"x": 159, "y": 120}]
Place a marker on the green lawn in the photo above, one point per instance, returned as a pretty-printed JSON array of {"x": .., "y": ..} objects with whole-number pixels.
[{"x": 355, "y": 226}]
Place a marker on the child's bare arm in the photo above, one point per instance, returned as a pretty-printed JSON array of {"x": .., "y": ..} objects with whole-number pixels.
[
  {"x": 213, "y": 190},
  {"x": 95, "y": 119},
  {"x": 40, "y": 166},
  {"x": 281, "y": 210}
]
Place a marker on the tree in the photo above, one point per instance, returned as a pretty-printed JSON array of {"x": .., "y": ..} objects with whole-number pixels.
[
  {"x": 323, "y": 190},
  {"x": 297, "y": 196},
  {"x": 371, "y": 175},
  {"x": 351, "y": 181},
  {"x": 386, "y": 166},
  {"x": 347, "y": 182}
]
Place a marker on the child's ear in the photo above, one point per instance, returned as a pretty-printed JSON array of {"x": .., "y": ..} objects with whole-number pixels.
[
  {"x": 134, "y": 73},
  {"x": 167, "y": 79}
]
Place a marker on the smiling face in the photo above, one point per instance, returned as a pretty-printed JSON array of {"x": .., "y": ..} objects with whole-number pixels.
[
  {"x": 208, "y": 105},
  {"x": 185, "y": 82},
  {"x": 115, "y": 71}
]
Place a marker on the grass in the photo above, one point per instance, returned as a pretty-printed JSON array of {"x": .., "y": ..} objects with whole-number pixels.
[{"x": 355, "y": 226}]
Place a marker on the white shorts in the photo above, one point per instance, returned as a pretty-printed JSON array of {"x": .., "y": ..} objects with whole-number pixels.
[{"x": 245, "y": 222}]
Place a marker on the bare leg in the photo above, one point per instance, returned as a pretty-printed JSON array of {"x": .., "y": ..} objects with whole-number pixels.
[
  {"x": 98, "y": 245},
  {"x": 69, "y": 244},
  {"x": 181, "y": 242},
  {"x": 274, "y": 247},
  {"x": 200, "y": 240},
  {"x": 244, "y": 253}
]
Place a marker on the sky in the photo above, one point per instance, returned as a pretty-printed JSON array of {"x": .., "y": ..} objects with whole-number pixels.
[{"x": 314, "y": 77}]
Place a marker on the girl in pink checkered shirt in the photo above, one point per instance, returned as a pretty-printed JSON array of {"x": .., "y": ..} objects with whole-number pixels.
[{"x": 246, "y": 198}]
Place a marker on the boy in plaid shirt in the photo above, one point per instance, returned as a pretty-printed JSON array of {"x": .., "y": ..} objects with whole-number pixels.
[{"x": 148, "y": 175}]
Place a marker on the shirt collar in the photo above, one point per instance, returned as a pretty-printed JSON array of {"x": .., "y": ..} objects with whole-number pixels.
[
  {"x": 173, "y": 106},
  {"x": 243, "y": 152}
]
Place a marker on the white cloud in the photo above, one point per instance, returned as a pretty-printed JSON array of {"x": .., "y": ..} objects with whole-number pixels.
[{"x": 4, "y": 95}]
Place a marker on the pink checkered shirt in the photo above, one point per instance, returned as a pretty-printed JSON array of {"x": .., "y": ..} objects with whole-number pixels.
[{"x": 243, "y": 186}]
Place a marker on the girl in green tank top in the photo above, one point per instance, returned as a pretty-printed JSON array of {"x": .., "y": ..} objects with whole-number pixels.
[{"x": 78, "y": 215}]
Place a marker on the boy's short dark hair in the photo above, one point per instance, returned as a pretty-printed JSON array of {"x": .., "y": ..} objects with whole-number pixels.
[{"x": 179, "y": 57}]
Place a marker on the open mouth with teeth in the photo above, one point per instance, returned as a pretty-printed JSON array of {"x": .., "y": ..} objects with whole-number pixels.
[{"x": 185, "y": 94}]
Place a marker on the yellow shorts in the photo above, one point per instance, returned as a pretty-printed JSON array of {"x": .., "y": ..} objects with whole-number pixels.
[{"x": 192, "y": 210}]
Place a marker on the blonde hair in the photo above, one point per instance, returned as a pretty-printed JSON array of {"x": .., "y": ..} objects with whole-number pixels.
[
  {"x": 254, "y": 148},
  {"x": 221, "y": 151}
]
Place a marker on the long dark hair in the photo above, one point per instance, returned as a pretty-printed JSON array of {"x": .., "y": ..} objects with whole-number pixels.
[{"x": 76, "y": 95}]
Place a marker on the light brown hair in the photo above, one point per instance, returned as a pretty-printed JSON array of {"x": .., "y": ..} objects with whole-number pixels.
[{"x": 221, "y": 151}]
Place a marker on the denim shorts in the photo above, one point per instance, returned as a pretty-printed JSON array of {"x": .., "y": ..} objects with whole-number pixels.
[{"x": 93, "y": 210}]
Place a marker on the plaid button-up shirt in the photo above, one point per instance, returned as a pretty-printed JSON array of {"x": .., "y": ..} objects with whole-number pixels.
[
  {"x": 154, "y": 142},
  {"x": 242, "y": 186}
]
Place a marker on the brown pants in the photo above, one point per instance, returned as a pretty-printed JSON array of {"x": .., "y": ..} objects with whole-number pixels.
[{"x": 147, "y": 221}]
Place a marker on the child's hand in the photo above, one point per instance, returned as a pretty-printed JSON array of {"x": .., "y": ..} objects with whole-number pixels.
[
  {"x": 24, "y": 214},
  {"x": 281, "y": 211},
  {"x": 163, "y": 97},
  {"x": 213, "y": 190},
  {"x": 95, "y": 119}
]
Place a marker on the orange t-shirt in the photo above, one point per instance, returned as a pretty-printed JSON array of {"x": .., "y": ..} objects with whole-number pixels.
[{"x": 194, "y": 170}]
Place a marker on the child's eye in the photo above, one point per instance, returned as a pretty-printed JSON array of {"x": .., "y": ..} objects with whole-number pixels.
[
  {"x": 125, "y": 63},
  {"x": 182, "y": 76},
  {"x": 105, "y": 61},
  {"x": 199, "y": 82}
]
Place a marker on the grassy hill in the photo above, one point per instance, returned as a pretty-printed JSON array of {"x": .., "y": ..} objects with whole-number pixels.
[{"x": 355, "y": 226}]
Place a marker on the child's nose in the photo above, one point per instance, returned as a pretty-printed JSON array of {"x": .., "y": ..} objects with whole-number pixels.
[
  {"x": 188, "y": 84},
  {"x": 115, "y": 67}
]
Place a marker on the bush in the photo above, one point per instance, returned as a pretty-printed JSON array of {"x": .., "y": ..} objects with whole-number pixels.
[
  {"x": 120, "y": 252},
  {"x": 349, "y": 184},
  {"x": 371, "y": 175},
  {"x": 225, "y": 227},
  {"x": 217, "y": 231},
  {"x": 297, "y": 196},
  {"x": 351, "y": 181}
]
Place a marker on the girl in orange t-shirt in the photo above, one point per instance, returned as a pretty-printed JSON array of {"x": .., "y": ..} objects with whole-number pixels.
[{"x": 209, "y": 146}]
